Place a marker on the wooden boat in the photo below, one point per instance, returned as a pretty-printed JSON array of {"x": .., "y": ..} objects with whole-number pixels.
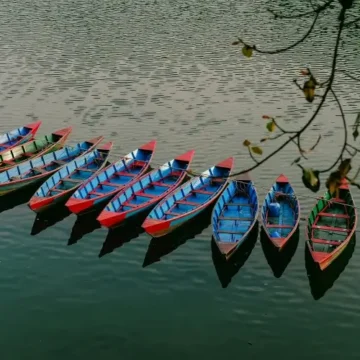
[
  {"x": 36, "y": 170},
  {"x": 189, "y": 200},
  {"x": 59, "y": 187},
  {"x": 109, "y": 181},
  {"x": 18, "y": 136},
  {"x": 234, "y": 215},
  {"x": 31, "y": 149},
  {"x": 280, "y": 212},
  {"x": 146, "y": 192},
  {"x": 331, "y": 226}
]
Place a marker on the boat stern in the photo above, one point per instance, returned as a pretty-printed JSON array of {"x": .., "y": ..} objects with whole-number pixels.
[
  {"x": 156, "y": 228},
  {"x": 77, "y": 206},
  {"x": 34, "y": 127}
]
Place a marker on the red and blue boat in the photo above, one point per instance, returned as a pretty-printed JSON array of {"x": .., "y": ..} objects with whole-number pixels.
[
  {"x": 143, "y": 194},
  {"x": 280, "y": 212},
  {"x": 18, "y": 136},
  {"x": 331, "y": 226},
  {"x": 189, "y": 200},
  {"x": 234, "y": 215},
  {"x": 36, "y": 170},
  {"x": 59, "y": 187},
  {"x": 108, "y": 182}
]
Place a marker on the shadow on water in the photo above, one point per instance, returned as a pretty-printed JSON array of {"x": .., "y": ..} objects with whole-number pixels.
[
  {"x": 119, "y": 236},
  {"x": 162, "y": 246},
  {"x": 84, "y": 224},
  {"x": 321, "y": 281},
  {"x": 16, "y": 198},
  {"x": 279, "y": 260},
  {"x": 227, "y": 269},
  {"x": 49, "y": 218}
]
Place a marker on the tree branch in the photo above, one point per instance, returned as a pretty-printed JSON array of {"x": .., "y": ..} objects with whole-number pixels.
[
  {"x": 348, "y": 75},
  {"x": 348, "y": 24},
  {"x": 318, "y": 10}
]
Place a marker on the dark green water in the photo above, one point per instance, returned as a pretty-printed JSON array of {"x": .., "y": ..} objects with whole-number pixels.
[{"x": 138, "y": 70}]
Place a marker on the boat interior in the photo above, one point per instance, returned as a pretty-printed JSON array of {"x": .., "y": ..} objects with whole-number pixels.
[
  {"x": 281, "y": 211},
  {"x": 235, "y": 211},
  {"x": 9, "y": 139}
]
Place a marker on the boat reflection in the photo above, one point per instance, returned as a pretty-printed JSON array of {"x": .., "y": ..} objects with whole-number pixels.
[
  {"x": 227, "y": 269},
  {"x": 279, "y": 260},
  {"x": 49, "y": 218},
  {"x": 165, "y": 245},
  {"x": 119, "y": 236},
  {"x": 15, "y": 198},
  {"x": 321, "y": 281},
  {"x": 84, "y": 224}
]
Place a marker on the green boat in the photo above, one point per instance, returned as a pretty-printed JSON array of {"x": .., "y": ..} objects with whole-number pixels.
[{"x": 40, "y": 146}]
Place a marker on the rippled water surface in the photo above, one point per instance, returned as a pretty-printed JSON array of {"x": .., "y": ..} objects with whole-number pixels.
[{"x": 140, "y": 70}]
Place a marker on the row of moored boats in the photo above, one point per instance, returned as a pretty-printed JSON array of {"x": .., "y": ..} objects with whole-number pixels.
[{"x": 81, "y": 177}]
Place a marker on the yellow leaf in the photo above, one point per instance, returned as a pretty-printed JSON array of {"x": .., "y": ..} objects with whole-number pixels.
[
  {"x": 246, "y": 143},
  {"x": 247, "y": 51},
  {"x": 309, "y": 90},
  {"x": 256, "y": 150},
  {"x": 310, "y": 178},
  {"x": 271, "y": 126},
  {"x": 344, "y": 167},
  {"x": 333, "y": 182}
]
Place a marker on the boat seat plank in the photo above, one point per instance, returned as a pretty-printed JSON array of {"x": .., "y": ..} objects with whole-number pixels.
[
  {"x": 59, "y": 162},
  {"x": 329, "y": 228},
  {"x": 199, "y": 191},
  {"x": 8, "y": 162},
  {"x": 128, "y": 204},
  {"x": 108, "y": 183},
  {"x": 337, "y": 200},
  {"x": 157, "y": 183},
  {"x": 146, "y": 195},
  {"x": 236, "y": 218},
  {"x": 171, "y": 213},
  {"x": 326, "y": 242},
  {"x": 279, "y": 226},
  {"x": 339, "y": 216},
  {"x": 218, "y": 180},
  {"x": 175, "y": 173},
  {"x": 40, "y": 170},
  {"x": 229, "y": 232},
  {"x": 86, "y": 169},
  {"x": 55, "y": 190},
  {"x": 238, "y": 204},
  {"x": 185, "y": 202},
  {"x": 96, "y": 193},
  {"x": 27, "y": 154},
  {"x": 124, "y": 173},
  {"x": 73, "y": 180}
]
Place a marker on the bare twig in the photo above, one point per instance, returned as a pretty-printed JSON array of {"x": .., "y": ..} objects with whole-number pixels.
[
  {"x": 297, "y": 16},
  {"x": 352, "y": 22},
  {"x": 348, "y": 75}
]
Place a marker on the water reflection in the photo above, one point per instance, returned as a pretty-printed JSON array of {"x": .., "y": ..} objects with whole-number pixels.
[
  {"x": 160, "y": 247},
  {"x": 279, "y": 260},
  {"x": 227, "y": 269},
  {"x": 121, "y": 235},
  {"x": 49, "y": 218},
  {"x": 84, "y": 224},
  {"x": 13, "y": 199},
  {"x": 321, "y": 281}
]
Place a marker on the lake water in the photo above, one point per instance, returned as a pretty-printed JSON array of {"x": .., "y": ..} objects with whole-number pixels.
[{"x": 162, "y": 69}]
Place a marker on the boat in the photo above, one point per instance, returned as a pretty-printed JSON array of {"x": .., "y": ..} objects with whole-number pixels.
[
  {"x": 18, "y": 136},
  {"x": 146, "y": 192},
  {"x": 33, "y": 171},
  {"x": 280, "y": 212},
  {"x": 234, "y": 215},
  {"x": 60, "y": 186},
  {"x": 331, "y": 226},
  {"x": 39, "y": 146},
  {"x": 189, "y": 200},
  {"x": 101, "y": 187}
]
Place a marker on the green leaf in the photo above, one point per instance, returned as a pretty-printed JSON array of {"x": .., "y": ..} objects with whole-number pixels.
[
  {"x": 296, "y": 160},
  {"x": 310, "y": 178},
  {"x": 271, "y": 126},
  {"x": 247, "y": 51},
  {"x": 256, "y": 150}
]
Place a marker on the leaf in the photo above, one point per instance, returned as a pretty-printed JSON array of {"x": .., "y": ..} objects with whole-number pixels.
[
  {"x": 356, "y": 126},
  {"x": 271, "y": 126},
  {"x": 333, "y": 182},
  {"x": 237, "y": 42},
  {"x": 256, "y": 150},
  {"x": 247, "y": 51},
  {"x": 309, "y": 90},
  {"x": 296, "y": 160},
  {"x": 263, "y": 139},
  {"x": 246, "y": 143},
  {"x": 355, "y": 134},
  {"x": 266, "y": 117},
  {"x": 310, "y": 178},
  {"x": 344, "y": 167}
]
